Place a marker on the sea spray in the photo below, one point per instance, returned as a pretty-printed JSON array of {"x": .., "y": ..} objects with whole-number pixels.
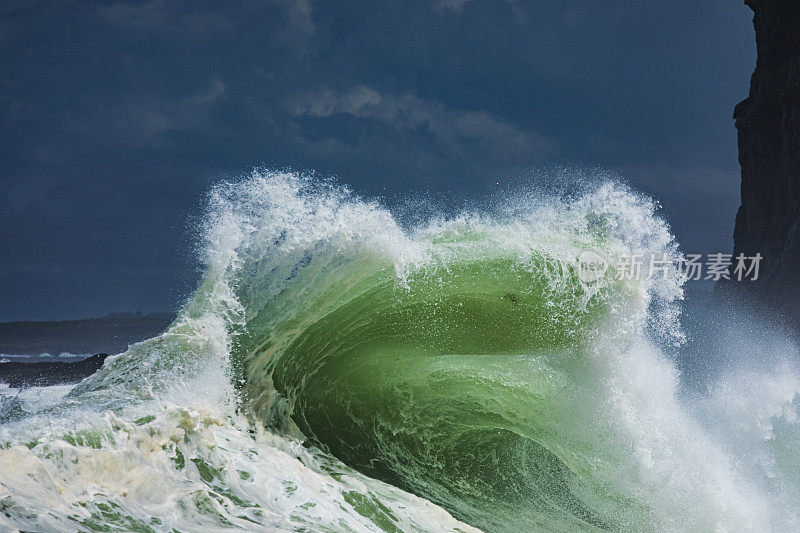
[{"x": 337, "y": 370}]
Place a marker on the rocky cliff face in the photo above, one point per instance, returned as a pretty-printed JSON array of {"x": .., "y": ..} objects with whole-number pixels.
[{"x": 768, "y": 124}]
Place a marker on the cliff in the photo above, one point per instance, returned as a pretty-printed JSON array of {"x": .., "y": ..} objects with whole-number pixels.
[{"x": 768, "y": 124}]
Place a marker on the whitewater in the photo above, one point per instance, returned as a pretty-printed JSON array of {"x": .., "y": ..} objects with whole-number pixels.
[{"x": 344, "y": 368}]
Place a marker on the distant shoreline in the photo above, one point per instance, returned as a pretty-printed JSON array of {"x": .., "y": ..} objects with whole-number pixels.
[{"x": 111, "y": 334}]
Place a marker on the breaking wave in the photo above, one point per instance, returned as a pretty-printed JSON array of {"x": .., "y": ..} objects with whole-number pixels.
[{"x": 338, "y": 370}]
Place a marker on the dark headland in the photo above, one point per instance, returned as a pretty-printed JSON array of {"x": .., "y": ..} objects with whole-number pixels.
[{"x": 768, "y": 126}]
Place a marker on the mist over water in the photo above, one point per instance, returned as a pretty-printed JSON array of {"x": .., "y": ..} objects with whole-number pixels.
[{"x": 340, "y": 370}]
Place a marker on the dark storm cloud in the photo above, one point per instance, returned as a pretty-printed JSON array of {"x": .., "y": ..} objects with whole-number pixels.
[{"x": 115, "y": 117}]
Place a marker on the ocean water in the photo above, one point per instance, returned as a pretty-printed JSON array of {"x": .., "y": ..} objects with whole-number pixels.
[
  {"x": 338, "y": 370},
  {"x": 64, "y": 357}
]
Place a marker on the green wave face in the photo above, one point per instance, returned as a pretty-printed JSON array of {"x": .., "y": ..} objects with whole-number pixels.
[
  {"x": 447, "y": 389},
  {"x": 465, "y": 377}
]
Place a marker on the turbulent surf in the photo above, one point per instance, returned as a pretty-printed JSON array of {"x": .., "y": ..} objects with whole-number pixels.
[{"x": 338, "y": 370}]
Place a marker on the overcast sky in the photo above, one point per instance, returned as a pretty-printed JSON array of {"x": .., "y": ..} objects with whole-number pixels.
[{"x": 116, "y": 117}]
